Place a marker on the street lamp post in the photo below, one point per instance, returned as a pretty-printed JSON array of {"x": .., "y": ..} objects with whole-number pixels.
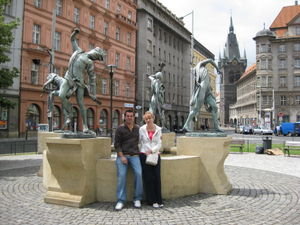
[
  {"x": 111, "y": 74},
  {"x": 192, "y": 50}
]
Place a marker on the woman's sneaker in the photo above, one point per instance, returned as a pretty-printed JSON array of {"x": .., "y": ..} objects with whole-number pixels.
[{"x": 155, "y": 205}]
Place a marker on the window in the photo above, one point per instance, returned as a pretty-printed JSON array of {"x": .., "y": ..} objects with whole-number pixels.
[
  {"x": 117, "y": 59},
  {"x": 34, "y": 73},
  {"x": 33, "y": 117},
  {"x": 105, "y": 56},
  {"x": 154, "y": 51},
  {"x": 128, "y": 38},
  {"x": 269, "y": 81},
  {"x": 92, "y": 22},
  {"x": 3, "y": 118},
  {"x": 283, "y": 100},
  {"x": 90, "y": 118},
  {"x": 103, "y": 119},
  {"x": 57, "y": 41},
  {"x": 283, "y": 81},
  {"x": 127, "y": 90},
  {"x": 107, "y": 4},
  {"x": 148, "y": 69},
  {"x": 56, "y": 118},
  {"x": 116, "y": 117},
  {"x": 297, "y": 100},
  {"x": 297, "y": 47},
  {"x": 159, "y": 34},
  {"x": 36, "y": 34},
  {"x": 59, "y": 7},
  {"x": 76, "y": 15},
  {"x": 105, "y": 28},
  {"x": 281, "y": 48},
  {"x": 38, "y": 3},
  {"x": 8, "y": 8},
  {"x": 282, "y": 64},
  {"x": 103, "y": 86},
  {"x": 159, "y": 53},
  {"x": 149, "y": 45},
  {"x": 149, "y": 24},
  {"x": 297, "y": 30},
  {"x": 91, "y": 46},
  {"x": 129, "y": 16},
  {"x": 116, "y": 85},
  {"x": 119, "y": 8},
  {"x": 264, "y": 64},
  {"x": 296, "y": 81},
  {"x": 118, "y": 33},
  {"x": 263, "y": 48},
  {"x": 297, "y": 63},
  {"x": 128, "y": 63}
]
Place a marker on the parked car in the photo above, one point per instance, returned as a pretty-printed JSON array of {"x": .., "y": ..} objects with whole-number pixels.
[
  {"x": 290, "y": 129},
  {"x": 247, "y": 130},
  {"x": 240, "y": 130},
  {"x": 262, "y": 130}
]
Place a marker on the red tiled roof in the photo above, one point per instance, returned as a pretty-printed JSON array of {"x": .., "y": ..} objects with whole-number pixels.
[
  {"x": 248, "y": 71},
  {"x": 286, "y": 14}
]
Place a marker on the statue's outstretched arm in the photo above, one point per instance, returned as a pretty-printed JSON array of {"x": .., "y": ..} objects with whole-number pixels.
[{"x": 74, "y": 40}]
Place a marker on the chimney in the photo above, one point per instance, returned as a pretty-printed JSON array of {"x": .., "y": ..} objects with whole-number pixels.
[{"x": 296, "y": 2}]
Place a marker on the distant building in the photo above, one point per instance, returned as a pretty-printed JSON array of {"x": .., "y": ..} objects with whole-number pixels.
[
  {"x": 162, "y": 38},
  {"x": 110, "y": 25},
  {"x": 232, "y": 66},
  {"x": 278, "y": 68},
  {"x": 201, "y": 53},
  {"x": 244, "y": 111},
  {"x": 9, "y": 118}
]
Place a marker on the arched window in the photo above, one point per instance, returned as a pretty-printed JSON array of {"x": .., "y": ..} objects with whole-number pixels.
[
  {"x": 33, "y": 117},
  {"x": 103, "y": 120},
  {"x": 116, "y": 119},
  {"x": 75, "y": 119},
  {"x": 56, "y": 118},
  {"x": 90, "y": 118}
]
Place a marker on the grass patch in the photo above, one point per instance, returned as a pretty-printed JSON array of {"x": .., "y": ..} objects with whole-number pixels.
[{"x": 252, "y": 148}]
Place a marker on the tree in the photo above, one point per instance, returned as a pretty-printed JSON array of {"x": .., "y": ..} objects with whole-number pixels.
[{"x": 6, "y": 38}]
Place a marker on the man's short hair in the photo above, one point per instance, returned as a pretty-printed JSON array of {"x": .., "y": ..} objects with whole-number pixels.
[{"x": 128, "y": 111}]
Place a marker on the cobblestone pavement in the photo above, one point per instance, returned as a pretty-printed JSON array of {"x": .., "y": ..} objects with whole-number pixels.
[{"x": 258, "y": 197}]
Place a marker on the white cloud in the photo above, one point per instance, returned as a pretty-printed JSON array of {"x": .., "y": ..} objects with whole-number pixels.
[{"x": 212, "y": 20}]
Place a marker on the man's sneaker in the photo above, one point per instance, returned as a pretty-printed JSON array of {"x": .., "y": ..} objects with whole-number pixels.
[
  {"x": 137, "y": 204},
  {"x": 161, "y": 205},
  {"x": 155, "y": 205},
  {"x": 119, "y": 206}
]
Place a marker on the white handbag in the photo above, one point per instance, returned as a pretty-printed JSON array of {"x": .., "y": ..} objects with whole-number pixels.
[{"x": 152, "y": 159}]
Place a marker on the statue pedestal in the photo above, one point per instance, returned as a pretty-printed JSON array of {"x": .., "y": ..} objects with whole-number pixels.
[
  {"x": 72, "y": 169},
  {"x": 168, "y": 141},
  {"x": 213, "y": 152}
]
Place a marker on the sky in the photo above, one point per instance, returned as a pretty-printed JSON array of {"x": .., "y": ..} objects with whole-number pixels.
[{"x": 212, "y": 21}]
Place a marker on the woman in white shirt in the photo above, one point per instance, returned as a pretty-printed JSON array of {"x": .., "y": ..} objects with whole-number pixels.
[{"x": 150, "y": 142}]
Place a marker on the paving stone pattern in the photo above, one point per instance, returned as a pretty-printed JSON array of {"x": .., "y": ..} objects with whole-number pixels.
[{"x": 258, "y": 197}]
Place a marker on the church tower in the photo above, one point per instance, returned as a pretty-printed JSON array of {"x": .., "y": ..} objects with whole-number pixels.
[{"x": 232, "y": 66}]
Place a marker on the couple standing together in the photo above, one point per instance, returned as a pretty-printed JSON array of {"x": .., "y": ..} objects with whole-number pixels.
[{"x": 146, "y": 177}]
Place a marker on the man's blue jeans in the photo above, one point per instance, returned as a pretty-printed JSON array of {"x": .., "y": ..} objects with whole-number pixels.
[{"x": 134, "y": 162}]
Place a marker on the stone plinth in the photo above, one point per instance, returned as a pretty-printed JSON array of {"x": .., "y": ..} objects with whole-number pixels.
[
  {"x": 168, "y": 141},
  {"x": 42, "y": 136},
  {"x": 175, "y": 182},
  {"x": 72, "y": 169},
  {"x": 213, "y": 152}
]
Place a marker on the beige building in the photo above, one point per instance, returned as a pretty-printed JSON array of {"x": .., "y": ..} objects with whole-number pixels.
[{"x": 244, "y": 111}]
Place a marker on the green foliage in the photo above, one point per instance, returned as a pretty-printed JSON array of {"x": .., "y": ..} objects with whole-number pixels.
[{"x": 6, "y": 39}]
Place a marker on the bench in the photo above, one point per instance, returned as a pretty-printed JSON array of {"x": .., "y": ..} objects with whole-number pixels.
[
  {"x": 291, "y": 145},
  {"x": 238, "y": 144}
]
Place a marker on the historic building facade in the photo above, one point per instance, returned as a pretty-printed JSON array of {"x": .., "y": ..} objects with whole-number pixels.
[
  {"x": 278, "y": 68},
  {"x": 162, "y": 38},
  {"x": 244, "y": 111},
  {"x": 204, "y": 119},
  {"x": 9, "y": 118},
  {"x": 232, "y": 66},
  {"x": 108, "y": 24}
]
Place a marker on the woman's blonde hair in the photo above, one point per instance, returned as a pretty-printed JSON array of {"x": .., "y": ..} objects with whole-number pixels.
[{"x": 148, "y": 113}]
